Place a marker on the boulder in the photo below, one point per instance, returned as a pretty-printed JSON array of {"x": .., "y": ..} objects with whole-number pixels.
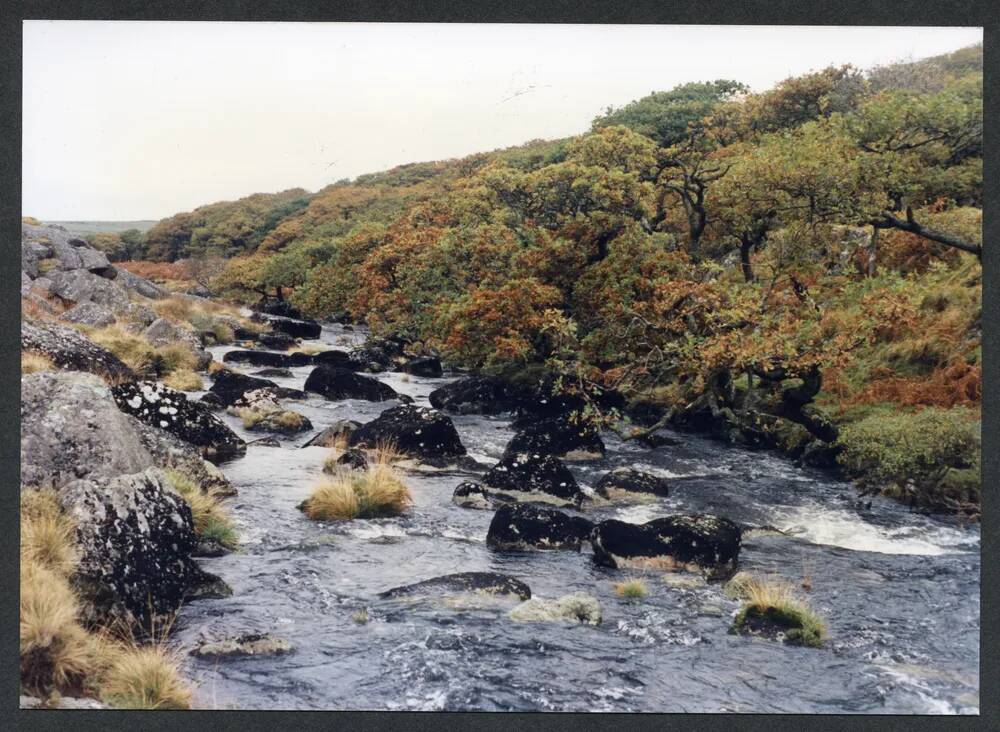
[
  {"x": 525, "y": 477},
  {"x": 379, "y": 354},
  {"x": 135, "y": 537},
  {"x": 69, "y": 251},
  {"x": 472, "y": 495},
  {"x": 170, "y": 410},
  {"x": 473, "y": 395},
  {"x": 282, "y": 421},
  {"x": 71, "y": 428},
  {"x": 561, "y": 437},
  {"x": 353, "y": 459},
  {"x": 243, "y": 646},
  {"x": 306, "y": 329},
  {"x": 267, "y": 358},
  {"x": 698, "y": 543},
  {"x": 516, "y": 527},
  {"x": 70, "y": 349},
  {"x": 79, "y": 285},
  {"x": 258, "y": 400},
  {"x": 339, "y": 383},
  {"x": 336, "y": 358},
  {"x": 429, "y": 366},
  {"x": 162, "y": 332},
  {"x": 270, "y": 306},
  {"x": 89, "y": 313},
  {"x": 417, "y": 432},
  {"x": 341, "y": 430},
  {"x": 229, "y": 386},
  {"x": 33, "y": 252},
  {"x": 486, "y": 583},
  {"x": 25, "y": 283},
  {"x": 277, "y": 341},
  {"x": 578, "y": 607},
  {"x": 139, "y": 285},
  {"x": 625, "y": 483},
  {"x": 265, "y": 442},
  {"x": 136, "y": 316},
  {"x": 273, "y": 372}
]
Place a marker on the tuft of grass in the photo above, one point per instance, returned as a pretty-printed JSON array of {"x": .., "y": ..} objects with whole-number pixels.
[
  {"x": 631, "y": 589},
  {"x": 168, "y": 359},
  {"x": 32, "y": 362},
  {"x": 48, "y": 536},
  {"x": 374, "y": 493},
  {"x": 211, "y": 521},
  {"x": 774, "y": 603},
  {"x": 133, "y": 350},
  {"x": 184, "y": 380},
  {"x": 145, "y": 677},
  {"x": 361, "y": 617}
]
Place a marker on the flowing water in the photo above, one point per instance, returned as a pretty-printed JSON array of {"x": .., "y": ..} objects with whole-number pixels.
[{"x": 899, "y": 590}]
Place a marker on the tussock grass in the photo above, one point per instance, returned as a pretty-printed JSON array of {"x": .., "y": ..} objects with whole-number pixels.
[
  {"x": 145, "y": 677},
  {"x": 631, "y": 589},
  {"x": 48, "y": 536},
  {"x": 184, "y": 380},
  {"x": 134, "y": 351},
  {"x": 774, "y": 602},
  {"x": 374, "y": 493},
  {"x": 32, "y": 362},
  {"x": 211, "y": 520}
]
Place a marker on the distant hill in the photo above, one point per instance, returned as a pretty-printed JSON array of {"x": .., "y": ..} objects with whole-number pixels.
[{"x": 93, "y": 227}]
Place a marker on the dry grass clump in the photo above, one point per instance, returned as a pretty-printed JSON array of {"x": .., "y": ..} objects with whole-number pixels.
[
  {"x": 48, "y": 536},
  {"x": 145, "y": 677},
  {"x": 374, "y": 493},
  {"x": 32, "y": 362},
  {"x": 211, "y": 520},
  {"x": 133, "y": 350},
  {"x": 774, "y": 603},
  {"x": 285, "y": 419},
  {"x": 631, "y": 589},
  {"x": 184, "y": 380}
]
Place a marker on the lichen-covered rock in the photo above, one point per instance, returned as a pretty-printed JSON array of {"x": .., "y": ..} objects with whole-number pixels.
[
  {"x": 525, "y": 478},
  {"x": 229, "y": 386},
  {"x": 163, "y": 332},
  {"x": 474, "y": 395},
  {"x": 338, "y": 383},
  {"x": 629, "y": 483},
  {"x": 89, "y": 313},
  {"x": 79, "y": 285},
  {"x": 139, "y": 285},
  {"x": 306, "y": 329},
  {"x": 136, "y": 538},
  {"x": 517, "y": 527},
  {"x": 578, "y": 607},
  {"x": 418, "y": 432},
  {"x": 486, "y": 583},
  {"x": 242, "y": 646},
  {"x": 277, "y": 341},
  {"x": 67, "y": 250},
  {"x": 282, "y": 421},
  {"x": 339, "y": 431},
  {"x": 258, "y": 400},
  {"x": 697, "y": 543},
  {"x": 353, "y": 459},
  {"x": 70, "y": 349},
  {"x": 429, "y": 366},
  {"x": 561, "y": 437},
  {"x": 170, "y": 410},
  {"x": 472, "y": 495},
  {"x": 267, "y": 358}
]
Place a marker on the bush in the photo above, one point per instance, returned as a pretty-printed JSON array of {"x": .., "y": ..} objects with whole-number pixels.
[
  {"x": 146, "y": 677},
  {"x": 184, "y": 380},
  {"x": 633, "y": 589},
  {"x": 912, "y": 455},
  {"x": 375, "y": 493}
]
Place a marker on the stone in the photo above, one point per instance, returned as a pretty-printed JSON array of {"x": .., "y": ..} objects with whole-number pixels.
[
  {"x": 473, "y": 395},
  {"x": 68, "y": 251},
  {"x": 139, "y": 285},
  {"x": 524, "y": 477},
  {"x": 273, "y": 372},
  {"x": 577, "y": 607},
  {"x": 228, "y": 386},
  {"x": 417, "y": 432},
  {"x": 79, "y": 285},
  {"x": 305, "y": 329},
  {"x": 429, "y": 366},
  {"x": 283, "y": 421},
  {"x": 243, "y": 646},
  {"x": 353, "y": 459},
  {"x": 697, "y": 543},
  {"x": 136, "y": 538},
  {"x": 517, "y": 527},
  {"x": 340, "y": 430},
  {"x": 277, "y": 341},
  {"x": 170, "y": 410},
  {"x": 472, "y": 495},
  {"x": 561, "y": 437},
  {"x": 336, "y": 358},
  {"x": 89, "y": 313},
  {"x": 379, "y": 354},
  {"x": 162, "y": 332},
  {"x": 487, "y": 583},
  {"x": 70, "y": 349},
  {"x": 629, "y": 483},
  {"x": 267, "y": 358},
  {"x": 338, "y": 383}
]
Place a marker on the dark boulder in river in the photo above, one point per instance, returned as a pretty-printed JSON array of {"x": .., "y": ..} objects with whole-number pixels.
[
  {"x": 336, "y": 358},
  {"x": 560, "y": 437},
  {"x": 379, "y": 354},
  {"x": 418, "y": 432},
  {"x": 524, "y": 478},
  {"x": 519, "y": 526},
  {"x": 308, "y": 329},
  {"x": 697, "y": 542},
  {"x": 629, "y": 483},
  {"x": 169, "y": 410},
  {"x": 278, "y": 341},
  {"x": 429, "y": 366},
  {"x": 473, "y": 395},
  {"x": 273, "y": 372},
  {"x": 487, "y": 583},
  {"x": 339, "y": 430},
  {"x": 267, "y": 358},
  {"x": 338, "y": 383},
  {"x": 229, "y": 386},
  {"x": 353, "y": 459},
  {"x": 136, "y": 538},
  {"x": 471, "y": 495}
]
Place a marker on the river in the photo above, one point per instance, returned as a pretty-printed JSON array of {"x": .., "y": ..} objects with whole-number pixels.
[{"x": 899, "y": 590}]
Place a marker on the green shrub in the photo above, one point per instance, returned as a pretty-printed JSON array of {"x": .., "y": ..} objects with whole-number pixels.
[{"x": 926, "y": 456}]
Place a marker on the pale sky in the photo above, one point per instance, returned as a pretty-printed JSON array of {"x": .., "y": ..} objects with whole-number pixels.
[{"x": 140, "y": 120}]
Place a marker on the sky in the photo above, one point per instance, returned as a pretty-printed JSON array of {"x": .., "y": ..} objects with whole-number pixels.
[{"x": 128, "y": 120}]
